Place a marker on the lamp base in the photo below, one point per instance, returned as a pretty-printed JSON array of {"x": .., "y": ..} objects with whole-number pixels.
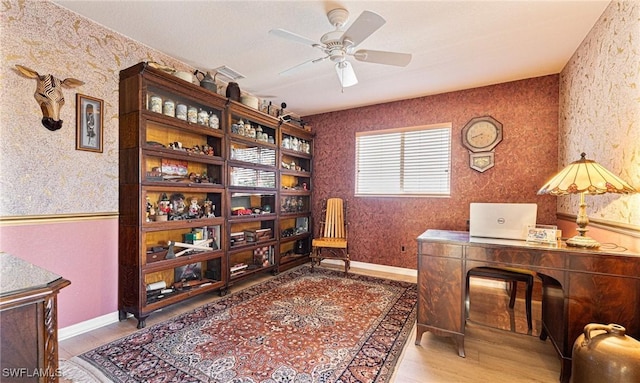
[{"x": 582, "y": 241}]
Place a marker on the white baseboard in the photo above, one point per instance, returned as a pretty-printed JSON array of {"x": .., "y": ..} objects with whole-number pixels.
[
  {"x": 88, "y": 325},
  {"x": 107, "y": 319},
  {"x": 376, "y": 267}
]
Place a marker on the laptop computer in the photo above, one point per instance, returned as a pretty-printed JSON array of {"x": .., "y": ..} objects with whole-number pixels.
[{"x": 501, "y": 220}]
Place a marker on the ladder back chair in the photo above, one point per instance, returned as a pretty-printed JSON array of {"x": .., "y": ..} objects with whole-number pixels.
[{"x": 333, "y": 242}]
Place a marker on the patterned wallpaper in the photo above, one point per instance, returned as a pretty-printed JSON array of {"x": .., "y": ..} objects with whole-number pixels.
[
  {"x": 596, "y": 96},
  {"x": 600, "y": 110},
  {"x": 526, "y": 157},
  {"x": 41, "y": 172}
]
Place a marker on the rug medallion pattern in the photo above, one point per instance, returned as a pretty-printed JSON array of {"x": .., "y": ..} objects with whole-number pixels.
[{"x": 297, "y": 327}]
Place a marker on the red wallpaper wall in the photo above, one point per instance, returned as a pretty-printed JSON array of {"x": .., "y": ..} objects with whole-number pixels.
[{"x": 524, "y": 160}]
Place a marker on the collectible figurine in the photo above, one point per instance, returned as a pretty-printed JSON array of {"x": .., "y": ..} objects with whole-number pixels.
[
  {"x": 177, "y": 204},
  {"x": 194, "y": 208},
  {"x": 164, "y": 208},
  {"x": 148, "y": 210},
  {"x": 208, "y": 209}
]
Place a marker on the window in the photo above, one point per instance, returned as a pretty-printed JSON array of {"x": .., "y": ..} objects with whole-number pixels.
[{"x": 412, "y": 161}]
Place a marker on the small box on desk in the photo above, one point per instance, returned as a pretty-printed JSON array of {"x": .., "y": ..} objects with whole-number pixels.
[{"x": 257, "y": 235}]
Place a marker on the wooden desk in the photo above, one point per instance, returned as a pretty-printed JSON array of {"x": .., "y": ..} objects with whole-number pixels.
[
  {"x": 28, "y": 322},
  {"x": 579, "y": 287}
]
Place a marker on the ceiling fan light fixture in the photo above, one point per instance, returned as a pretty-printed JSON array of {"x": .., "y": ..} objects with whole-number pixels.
[
  {"x": 229, "y": 73},
  {"x": 346, "y": 74}
]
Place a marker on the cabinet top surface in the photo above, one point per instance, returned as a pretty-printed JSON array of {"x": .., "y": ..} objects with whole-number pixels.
[
  {"x": 463, "y": 238},
  {"x": 19, "y": 275}
]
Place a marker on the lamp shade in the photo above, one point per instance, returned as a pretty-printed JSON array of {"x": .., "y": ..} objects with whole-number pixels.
[{"x": 585, "y": 176}]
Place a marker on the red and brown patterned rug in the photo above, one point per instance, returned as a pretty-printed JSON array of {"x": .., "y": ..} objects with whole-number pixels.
[{"x": 296, "y": 327}]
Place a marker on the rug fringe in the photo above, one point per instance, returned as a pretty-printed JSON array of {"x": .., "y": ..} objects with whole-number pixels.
[{"x": 76, "y": 370}]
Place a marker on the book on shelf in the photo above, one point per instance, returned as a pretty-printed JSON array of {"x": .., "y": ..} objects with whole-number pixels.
[{"x": 238, "y": 267}]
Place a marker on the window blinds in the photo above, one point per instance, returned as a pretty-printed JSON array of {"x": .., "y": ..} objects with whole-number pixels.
[{"x": 404, "y": 162}]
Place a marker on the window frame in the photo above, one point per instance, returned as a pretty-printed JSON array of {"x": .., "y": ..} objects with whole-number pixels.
[{"x": 382, "y": 132}]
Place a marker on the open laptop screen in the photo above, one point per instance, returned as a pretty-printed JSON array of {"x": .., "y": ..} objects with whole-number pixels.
[{"x": 501, "y": 220}]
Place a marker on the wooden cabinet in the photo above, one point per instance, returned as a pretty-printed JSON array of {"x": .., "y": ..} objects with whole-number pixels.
[
  {"x": 295, "y": 163},
  {"x": 207, "y": 187},
  {"x": 269, "y": 193},
  {"x": 579, "y": 286},
  {"x": 441, "y": 291},
  {"x": 28, "y": 321},
  {"x": 252, "y": 192},
  {"x": 172, "y": 192}
]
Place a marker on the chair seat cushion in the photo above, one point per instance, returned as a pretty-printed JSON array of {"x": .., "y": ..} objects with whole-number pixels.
[{"x": 339, "y": 243}]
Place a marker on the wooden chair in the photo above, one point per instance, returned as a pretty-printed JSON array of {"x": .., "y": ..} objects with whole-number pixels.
[
  {"x": 333, "y": 243},
  {"x": 512, "y": 276}
]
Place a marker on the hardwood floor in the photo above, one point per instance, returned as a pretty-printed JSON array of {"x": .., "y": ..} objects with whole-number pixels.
[{"x": 498, "y": 348}]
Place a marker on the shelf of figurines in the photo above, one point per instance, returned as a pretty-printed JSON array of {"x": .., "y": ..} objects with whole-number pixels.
[
  {"x": 174, "y": 172},
  {"x": 172, "y": 211}
]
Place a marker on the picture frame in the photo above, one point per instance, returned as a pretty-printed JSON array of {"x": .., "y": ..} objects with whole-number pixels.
[{"x": 89, "y": 123}]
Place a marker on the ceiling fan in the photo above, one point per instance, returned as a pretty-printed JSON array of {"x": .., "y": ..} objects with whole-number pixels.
[{"x": 338, "y": 45}]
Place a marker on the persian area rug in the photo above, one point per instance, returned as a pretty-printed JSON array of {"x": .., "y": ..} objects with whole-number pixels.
[{"x": 296, "y": 327}]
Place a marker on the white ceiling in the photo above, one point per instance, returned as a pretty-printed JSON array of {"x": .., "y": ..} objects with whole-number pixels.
[{"x": 455, "y": 44}]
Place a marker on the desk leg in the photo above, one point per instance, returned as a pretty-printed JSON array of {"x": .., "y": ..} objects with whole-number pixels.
[
  {"x": 565, "y": 370},
  {"x": 543, "y": 334},
  {"x": 458, "y": 339},
  {"x": 419, "y": 331}
]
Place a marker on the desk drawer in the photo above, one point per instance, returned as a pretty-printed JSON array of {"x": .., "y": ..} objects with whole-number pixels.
[
  {"x": 517, "y": 256},
  {"x": 435, "y": 249},
  {"x": 619, "y": 265}
]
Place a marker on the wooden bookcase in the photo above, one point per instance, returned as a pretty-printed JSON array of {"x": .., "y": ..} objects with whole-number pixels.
[
  {"x": 296, "y": 148},
  {"x": 203, "y": 205}
]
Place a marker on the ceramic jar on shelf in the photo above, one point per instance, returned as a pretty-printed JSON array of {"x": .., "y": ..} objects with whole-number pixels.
[
  {"x": 249, "y": 130},
  {"x": 192, "y": 114},
  {"x": 155, "y": 104},
  {"x": 214, "y": 121},
  {"x": 181, "y": 112},
  {"x": 241, "y": 130},
  {"x": 203, "y": 117},
  {"x": 169, "y": 108}
]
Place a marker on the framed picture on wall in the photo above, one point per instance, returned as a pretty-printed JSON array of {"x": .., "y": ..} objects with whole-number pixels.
[{"x": 89, "y": 123}]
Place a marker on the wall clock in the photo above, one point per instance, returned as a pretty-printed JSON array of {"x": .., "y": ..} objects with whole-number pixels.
[
  {"x": 481, "y": 161},
  {"x": 482, "y": 134}
]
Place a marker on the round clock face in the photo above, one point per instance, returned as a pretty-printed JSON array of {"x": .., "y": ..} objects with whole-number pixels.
[{"x": 482, "y": 134}]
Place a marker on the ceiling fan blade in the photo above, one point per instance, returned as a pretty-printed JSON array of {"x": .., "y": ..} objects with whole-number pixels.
[
  {"x": 297, "y": 68},
  {"x": 383, "y": 57},
  {"x": 346, "y": 74},
  {"x": 364, "y": 26},
  {"x": 292, "y": 36}
]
